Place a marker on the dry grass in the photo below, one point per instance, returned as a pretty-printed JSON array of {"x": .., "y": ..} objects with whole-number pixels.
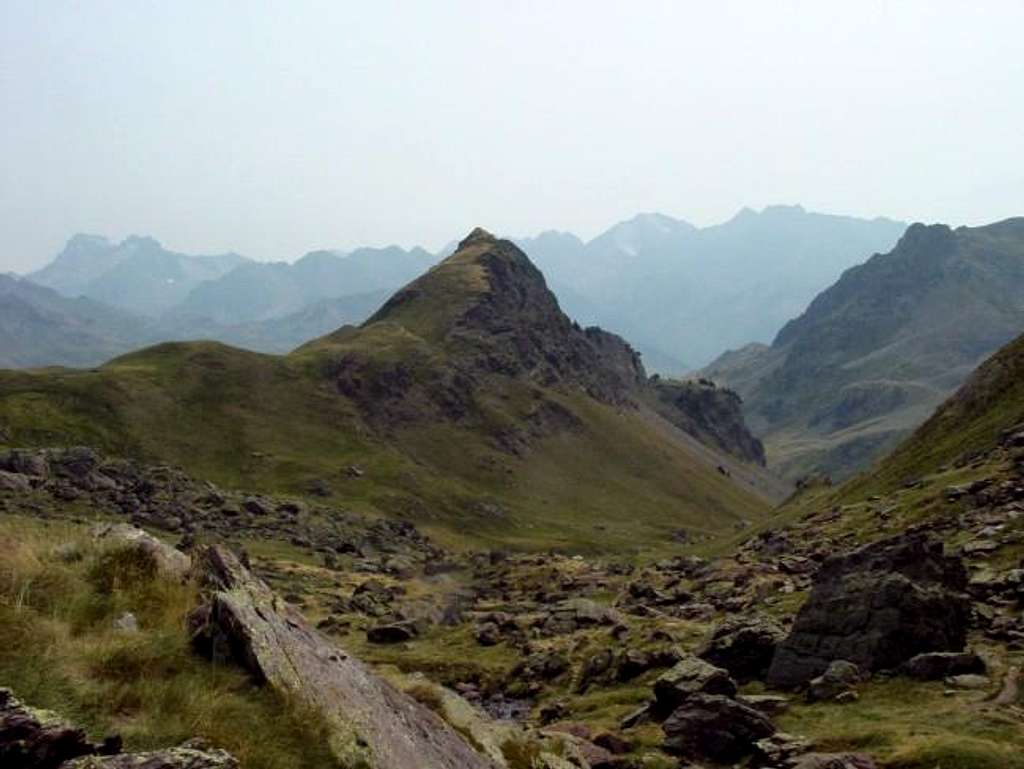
[{"x": 59, "y": 596}]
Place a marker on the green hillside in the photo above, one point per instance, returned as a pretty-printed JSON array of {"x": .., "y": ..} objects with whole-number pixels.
[{"x": 433, "y": 411}]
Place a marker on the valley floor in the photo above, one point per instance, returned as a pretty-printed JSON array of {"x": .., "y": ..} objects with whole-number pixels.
[{"x": 533, "y": 645}]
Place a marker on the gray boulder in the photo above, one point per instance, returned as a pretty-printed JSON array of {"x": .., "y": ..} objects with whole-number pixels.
[
  {"x": 368, "y": 721},
  {"x": 689, "y": 677},
  {"x": 877, "y": 607},
  {"x": 716, "y": 728},
  {"x": 934, "y": 666},
  {"x": 839, "y": 677}
]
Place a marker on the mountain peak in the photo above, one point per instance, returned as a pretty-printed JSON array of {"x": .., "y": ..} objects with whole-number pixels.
[{"x": 478, "y": 235}]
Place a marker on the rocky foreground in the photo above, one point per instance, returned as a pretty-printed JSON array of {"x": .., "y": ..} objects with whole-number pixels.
[{"x": 572, "y": 661}]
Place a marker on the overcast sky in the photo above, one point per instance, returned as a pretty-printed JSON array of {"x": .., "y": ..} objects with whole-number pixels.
[{"x": 274, "y": 128}]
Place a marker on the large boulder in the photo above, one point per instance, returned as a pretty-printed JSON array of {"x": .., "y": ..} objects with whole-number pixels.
[
  {"x": 744, "y": 645},
  {"x": 716, "y": 728},
  {"x": 170, "y": 562},
  {"x": 877, "y": 607},
  {"x": 690, "y": 676}
]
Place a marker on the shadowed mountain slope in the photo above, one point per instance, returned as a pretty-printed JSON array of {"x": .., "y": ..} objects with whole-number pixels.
[{"x": 873, "y": 355}]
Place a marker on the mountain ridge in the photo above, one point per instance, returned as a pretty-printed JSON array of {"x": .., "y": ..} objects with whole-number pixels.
[
  {"x": 873, "y": 354},
  {"x": 449, "y": 424}
]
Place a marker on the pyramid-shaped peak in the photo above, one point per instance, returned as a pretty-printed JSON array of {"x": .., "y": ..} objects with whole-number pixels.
[{"x": 478, "y": 235}]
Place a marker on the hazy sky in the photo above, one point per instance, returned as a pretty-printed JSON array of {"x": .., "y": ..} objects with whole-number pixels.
[{"x": 275, "y": 128}]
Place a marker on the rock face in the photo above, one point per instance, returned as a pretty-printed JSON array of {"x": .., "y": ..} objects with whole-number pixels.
[
  {"x": 877, "y": 607},
  {"x": 709, "y": 413},
  {"x": 881, "y": 347},
  {"x": 744, "y": 645},
  {"x": 369, "y": 720}
]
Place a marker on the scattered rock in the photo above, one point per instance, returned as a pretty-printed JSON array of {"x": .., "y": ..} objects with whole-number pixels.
[
  {"x": 126, "y": 623},
  {"x": 970, "y": 682},
  {"x": 173, "y": 758},
  {"x": 835, "y": 761},
  {"x": 769, "y": 704}
]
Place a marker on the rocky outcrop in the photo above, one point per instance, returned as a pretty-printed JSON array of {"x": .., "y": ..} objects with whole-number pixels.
[
  {"x": 486, "y": 311},
  {"x": 877, "y": 607},
  {"x": 713, "y": 415},
  {"x": 368, "y": 719}
]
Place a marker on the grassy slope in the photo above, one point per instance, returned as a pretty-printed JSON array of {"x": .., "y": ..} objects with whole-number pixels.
[
  {"x": 270, "y": 423},
  {"x": 992, "y": 400},
  {"x": 59, "y": 650}
]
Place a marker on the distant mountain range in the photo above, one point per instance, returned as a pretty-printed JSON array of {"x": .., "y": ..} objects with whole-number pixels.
[
  {"x": 684, "y": 294},
  {"x": 137, "y": 274},
  {"x": 872, "y": 356},
  {"x": 39, "y": 327},
  {"x": 680, "y": 293}
]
